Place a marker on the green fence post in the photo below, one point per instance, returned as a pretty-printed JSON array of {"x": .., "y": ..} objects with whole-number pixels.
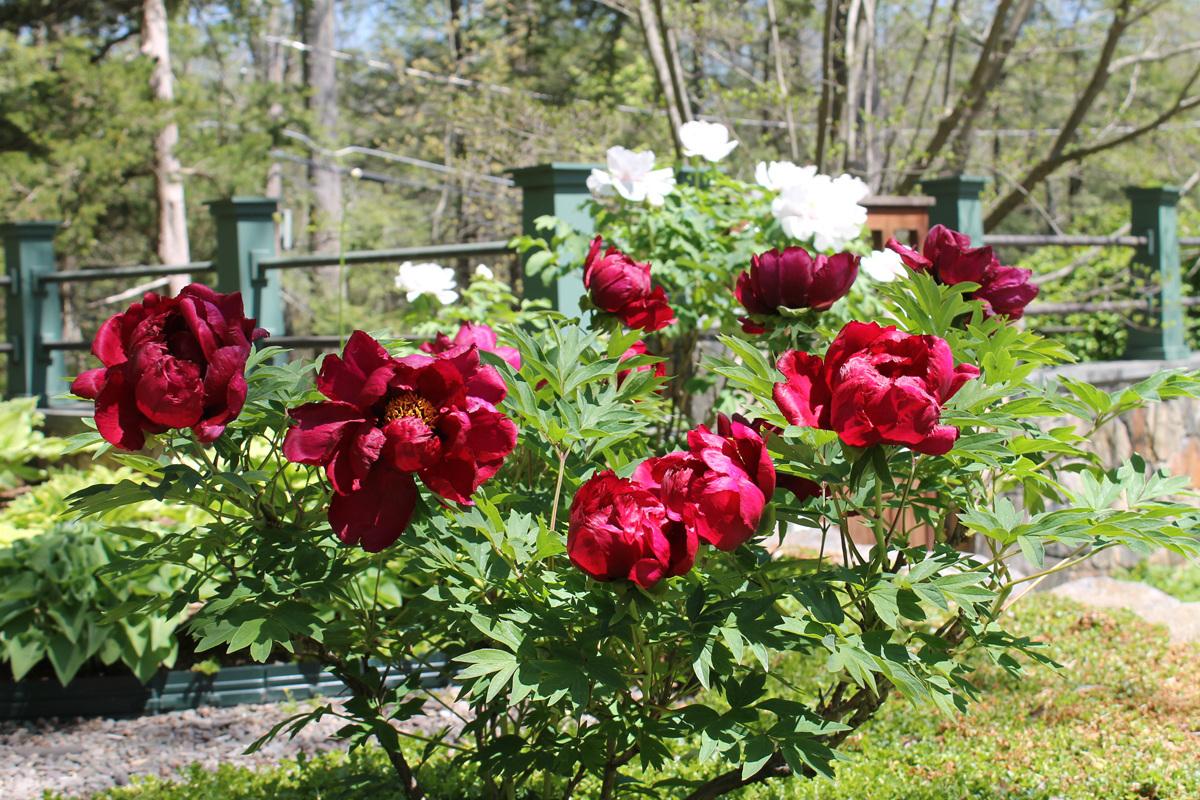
[
  {"x": 559, "y": 190},
  {"x": 246, "y": 233},
  {"x": 1158, "y": 332},
  {"x": 958, "y": 205},
  {"x": 33, "y": 312}
]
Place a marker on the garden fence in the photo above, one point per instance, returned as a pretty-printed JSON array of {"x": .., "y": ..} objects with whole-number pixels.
[{"x": 247, "y": 262}]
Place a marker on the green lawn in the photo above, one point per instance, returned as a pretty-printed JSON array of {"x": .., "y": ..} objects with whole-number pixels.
[{"x": 1122, "y": 720}]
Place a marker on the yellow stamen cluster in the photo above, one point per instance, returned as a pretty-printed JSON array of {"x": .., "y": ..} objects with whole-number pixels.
[{"x": 410, "y": 404}]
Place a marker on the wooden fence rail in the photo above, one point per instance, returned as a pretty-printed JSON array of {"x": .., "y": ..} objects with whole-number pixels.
[{"x": 246, "y": 261}]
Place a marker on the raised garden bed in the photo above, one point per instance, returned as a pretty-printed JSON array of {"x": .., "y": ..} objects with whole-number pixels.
[{"x": 123, "y": 695}]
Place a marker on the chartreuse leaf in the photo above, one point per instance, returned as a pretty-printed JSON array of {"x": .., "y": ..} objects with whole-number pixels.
[{"x": 756, "y": 752}]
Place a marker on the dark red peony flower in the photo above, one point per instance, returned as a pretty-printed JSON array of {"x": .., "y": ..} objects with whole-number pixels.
[
  {"x": 170, "y": 362},
  {"x": 388, "y": 418},
  {"x": 792, "y": 279},
  {"x": 470, "y": 333},
  {"x": 638, "y": 348},
  {"x": 718, "y": 488},
  {"x": 949, "y": 257},
  {"x": 620, "y": 530},
  {"x": 802, "y": 488},
  {"x": 876, "y": 385},
  {"x": 621, "y": 286}
]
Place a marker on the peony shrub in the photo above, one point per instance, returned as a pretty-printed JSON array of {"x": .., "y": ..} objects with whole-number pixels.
[{"x": 609, "y": 594}]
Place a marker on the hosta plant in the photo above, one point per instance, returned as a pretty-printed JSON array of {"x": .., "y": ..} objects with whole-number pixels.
[{"x": 606, "y": 607}]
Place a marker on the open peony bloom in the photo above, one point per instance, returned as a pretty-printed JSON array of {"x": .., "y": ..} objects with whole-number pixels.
[
  {"x": 619, "y": 530},
  {"x": 883, "y": 265},
  {"x": 949, "y": 257},
  {"x": 719, "y": 488},
  {"x": 390, "y": 418},
  {"x": 471, "y": 333},
  {"x": 621, "y": 286},
  {"x": 876, "y": 385},
  {"x": 792, "y": 280},
  {"x": 823, "y": 209},
  {"x": 780, "y": 175},
  {"x": 709, "y": 140},
  {"x": 418, "y": 279},
  {"x": 632, "y": 176},
  {"x": 170, "y": 362}
]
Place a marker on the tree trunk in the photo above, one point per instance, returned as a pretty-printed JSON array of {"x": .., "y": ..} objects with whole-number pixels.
[
  {"x": 276, "y": 72},
  {"x": 662, "y": 70},
  {"x": 783, "y": 88},
  {"x": 326, "y": 179},
  {"x": 172, "y": 212}
]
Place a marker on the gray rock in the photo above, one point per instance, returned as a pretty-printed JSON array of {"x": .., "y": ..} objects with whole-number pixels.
[{"x": 1152, "y": 605}]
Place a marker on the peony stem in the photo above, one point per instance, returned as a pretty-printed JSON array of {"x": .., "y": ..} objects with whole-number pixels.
[
  {"x": 879, "y": 538},
  {"x": 562, "y": 466}
]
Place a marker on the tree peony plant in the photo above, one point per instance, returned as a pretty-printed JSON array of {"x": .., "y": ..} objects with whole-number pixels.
[
  {"x": 632, "y": 176},
  {"x": 708, "y": 140},
  {"x": 431, "y": 279},
  {"x": 824, "y": 210},
  {"x": 949, "y": 257},
  {"x": 783, "y": 283},
  {"x": 170, "y": 362},
  {"x": 602, "y": 584},
  {"x": 779, "y": 175}
]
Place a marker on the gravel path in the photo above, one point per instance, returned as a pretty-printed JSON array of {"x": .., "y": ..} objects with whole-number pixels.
[{"x": 83, "y": 756}]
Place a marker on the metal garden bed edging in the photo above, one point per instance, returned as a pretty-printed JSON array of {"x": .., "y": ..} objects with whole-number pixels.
[{"x": 181, "y": 689}]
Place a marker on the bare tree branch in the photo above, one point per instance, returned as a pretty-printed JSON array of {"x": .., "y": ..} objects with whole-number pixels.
[
  {"x": 1044, "y": 168},
  {"x": 1152, "y": 55},
  {"x": 1001, "y": 37}
]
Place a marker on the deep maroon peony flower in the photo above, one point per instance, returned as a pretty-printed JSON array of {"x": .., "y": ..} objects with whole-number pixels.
[
  {"x": 876, "y": 385},
  {"x": 792, "y": 279},
  {"x": 638, "y": 348},
  {"x": 718, "y": 488},
  {"x": 949, "y": 257},
  {"x": 621, "y": 286},
  {"x": 620, "y": 530},
  {"x": 170, "y": 362},
  {"x": 389, "y": 418},
  {"x": 803, "y": 488},
  {"x": 470, "y": 333}
]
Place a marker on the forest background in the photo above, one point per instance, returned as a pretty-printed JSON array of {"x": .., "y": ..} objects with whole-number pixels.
[{"x": 121, "y": 117}]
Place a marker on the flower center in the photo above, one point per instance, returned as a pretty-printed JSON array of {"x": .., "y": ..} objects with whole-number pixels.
[{"x": 410, "y": 404}]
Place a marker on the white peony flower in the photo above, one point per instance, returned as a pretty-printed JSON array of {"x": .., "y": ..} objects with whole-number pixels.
[
  {"x": 434, "y": 279},
  {"x": 483, "y": 272},
  {"x": 883, "y": 265},
  {"x": 781, "y": 175},
  {"x": 824, "y": 209},
  {"x": 709, "y": 140},
  {"x": 632, "y": 176}
]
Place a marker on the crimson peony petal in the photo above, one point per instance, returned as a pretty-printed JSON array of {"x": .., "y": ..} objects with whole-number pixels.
[
  {"x": 804, "y": 396},
  {"x": 411, "y": 444},
  {"x": 170, "y": 392},
  {"x": 650, "y": 313},
  {"x": 619, "y": 530},
  {"x": 359, "y": 375},
  {"x": 89, "y": 384},
  {"x": 377, "y": 513},
  {"x": 108, "y": 346},
  {"x": 320, "y": 432},
  {"x": 117, "y": 417}
]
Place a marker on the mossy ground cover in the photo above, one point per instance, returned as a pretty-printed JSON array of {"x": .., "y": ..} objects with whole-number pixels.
[
  {"x": 1121, "y": 720},
  {"x": 1181, "y": 581}
]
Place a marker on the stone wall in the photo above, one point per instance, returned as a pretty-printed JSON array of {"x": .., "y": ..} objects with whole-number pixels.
[{"x": 1165, "y": 434}]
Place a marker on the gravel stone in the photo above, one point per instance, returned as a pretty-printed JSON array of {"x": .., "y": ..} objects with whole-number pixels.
[{"x": 79, "y": 757}]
